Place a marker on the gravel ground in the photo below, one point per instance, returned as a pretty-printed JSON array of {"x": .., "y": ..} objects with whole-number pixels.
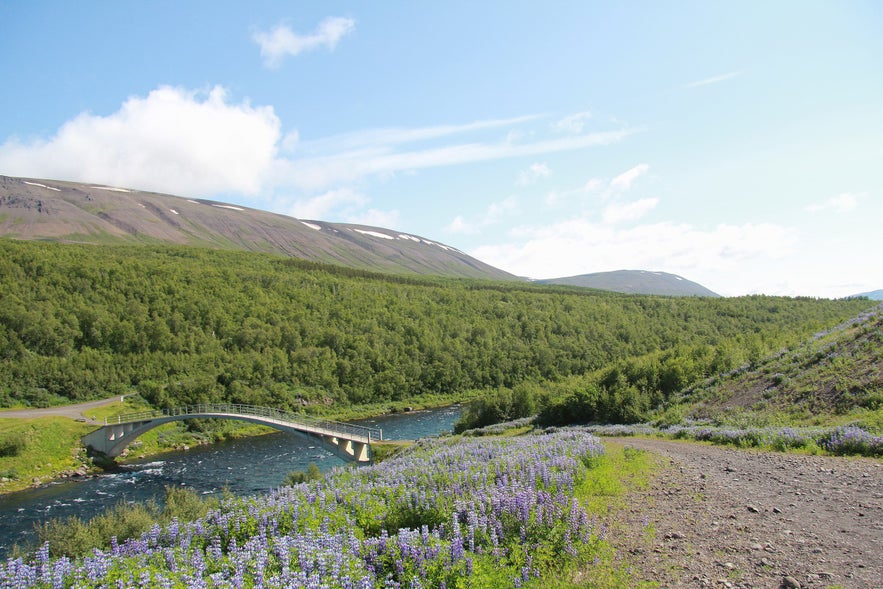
[
  {"x": 72, "y": 411},
  {"x": 721, "y": 517}
]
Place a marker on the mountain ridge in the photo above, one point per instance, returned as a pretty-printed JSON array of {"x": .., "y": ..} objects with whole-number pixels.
[
  {"x": 635, "y": 282},
  {"x": 55, "y": 210},
  {"x": 874, "y": 295}
]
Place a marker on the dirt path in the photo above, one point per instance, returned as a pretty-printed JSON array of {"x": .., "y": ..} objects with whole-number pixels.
[
  {"x": 720, "y": 517},
  {"x": 72, "y": 411}
]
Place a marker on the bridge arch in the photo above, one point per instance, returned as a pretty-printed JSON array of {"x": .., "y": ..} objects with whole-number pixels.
[{"x": 345, "y": 440}]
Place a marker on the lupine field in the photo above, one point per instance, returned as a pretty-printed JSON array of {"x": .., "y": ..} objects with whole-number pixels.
[
  {"x": 486, "y": 512},
  {"x": 839, "y": 441}
]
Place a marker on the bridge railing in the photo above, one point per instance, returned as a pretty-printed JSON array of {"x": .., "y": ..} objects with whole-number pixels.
[{"x": 254, "y": 411}]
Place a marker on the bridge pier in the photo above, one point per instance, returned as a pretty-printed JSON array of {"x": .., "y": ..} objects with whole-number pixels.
[
  {"x": 347, "y": 449},
  {"x": 113, "y": 438}
]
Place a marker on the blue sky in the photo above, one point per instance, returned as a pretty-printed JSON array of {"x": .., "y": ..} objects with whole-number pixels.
[{"x": 737, "y": 144}]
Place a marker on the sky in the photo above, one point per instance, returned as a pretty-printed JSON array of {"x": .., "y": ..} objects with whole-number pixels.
[{"x": 738, "y": 144}]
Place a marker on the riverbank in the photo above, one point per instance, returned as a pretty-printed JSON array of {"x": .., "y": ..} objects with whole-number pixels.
[
  {"x": 40, "y": 446},
  {"x": 247, "y": 466}
]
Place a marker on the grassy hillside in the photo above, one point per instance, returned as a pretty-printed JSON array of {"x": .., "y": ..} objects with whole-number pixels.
[
  {"x": 836, "y": 373},
  {"x": 184, "y": 325}
]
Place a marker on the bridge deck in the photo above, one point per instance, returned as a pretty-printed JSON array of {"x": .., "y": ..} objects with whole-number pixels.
[{"x": 277, "y": 416}]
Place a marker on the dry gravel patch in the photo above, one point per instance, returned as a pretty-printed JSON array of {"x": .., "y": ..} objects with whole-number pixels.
[{"x": 721, "y": 517}]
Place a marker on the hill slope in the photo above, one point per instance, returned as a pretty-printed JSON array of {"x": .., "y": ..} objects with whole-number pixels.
[
  {"x": 837, "y": 372},
  {"x": 83, "y": 213},
  {"x": 636, "y": 282},
  {"x": 185, "y": 325}
]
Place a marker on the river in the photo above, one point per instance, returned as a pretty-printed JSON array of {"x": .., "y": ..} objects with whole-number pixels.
[{"x": 244, "y": 466}]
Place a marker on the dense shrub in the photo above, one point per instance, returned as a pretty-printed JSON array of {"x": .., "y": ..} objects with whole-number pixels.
[{"x": 13, "y": 444}]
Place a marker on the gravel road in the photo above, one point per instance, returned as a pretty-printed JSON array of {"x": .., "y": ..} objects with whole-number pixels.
[
  {"x": 722, "y": 517},
  {"x": 72, "y": 411}
]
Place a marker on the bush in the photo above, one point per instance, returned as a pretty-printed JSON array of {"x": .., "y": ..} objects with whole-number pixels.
[
  {"x": 183, "y": 504},
  {"x": 853, "y": 440},
  {"x": 13, "y": 444},
  {"x": 72, "y": 536},
  {"x": 297, "y": 477}
]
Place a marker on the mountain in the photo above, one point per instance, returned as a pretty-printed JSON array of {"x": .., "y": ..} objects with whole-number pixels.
[
  {"x": 874, "y": 295},
  {"x": 34, "y": 209},
  {"x": 636, "y": 282}
]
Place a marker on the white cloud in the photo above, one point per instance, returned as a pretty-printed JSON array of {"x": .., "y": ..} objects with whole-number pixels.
[
  {"x": 459, "y": 225},
  {"x": 713, "y": 79},
  {"x": 386, "y": 138},
  {"x": 533, "y": 173},
  {"x": 632, "y": 211},
  {"x": 173, "y": 140},
  {"x": 318, "y": 172},
  {"x": 201, "y": 143},
  {"x": 320, "y": 207},
  {"x": 557, "y": 197},
  {"x": 624, "y": 181},
  {"x": 578, "y": 246},
  {"x": 842, "y": 203},
  {"x": 593, "y": 184},
  {"x": 492, "y": 214},
  {"x": 573, "y": 123},
  {"x": 375, "y": 217},
  {"x": 343, "y": 205},
  {"x": 281, "y": 41},
  {"x": 497, "y": 210}
]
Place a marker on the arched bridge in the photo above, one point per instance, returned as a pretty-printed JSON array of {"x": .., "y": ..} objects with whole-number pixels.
[{"x": 348, "y": 441}]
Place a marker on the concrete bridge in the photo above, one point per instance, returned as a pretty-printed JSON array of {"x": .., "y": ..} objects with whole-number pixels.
[{"x": 349, "y": 442}]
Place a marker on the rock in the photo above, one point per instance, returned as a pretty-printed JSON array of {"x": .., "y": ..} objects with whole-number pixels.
[
  {"x": 776, "y": 510},
  {"x": 752, "y": 508},
  {"x": 790, "y": 583}
]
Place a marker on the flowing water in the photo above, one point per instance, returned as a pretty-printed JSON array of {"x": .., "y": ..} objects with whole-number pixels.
[{"x": 244, "y": 466}]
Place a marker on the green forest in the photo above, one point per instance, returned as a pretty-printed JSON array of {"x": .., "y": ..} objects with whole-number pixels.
[{"x": 183, "y": 325}]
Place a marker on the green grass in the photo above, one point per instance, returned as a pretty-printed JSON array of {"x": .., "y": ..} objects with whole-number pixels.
[
  {"x": 605, "y": 492},
  {"x": 381, "y": 451},
  {"x": 47, "y": 447}
]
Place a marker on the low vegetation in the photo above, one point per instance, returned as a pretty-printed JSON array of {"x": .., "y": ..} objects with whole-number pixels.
[
  {"x": 838, "y": 441},
  {"x": 73, "y": 536},
  {"x": 474, "y": 512}
]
